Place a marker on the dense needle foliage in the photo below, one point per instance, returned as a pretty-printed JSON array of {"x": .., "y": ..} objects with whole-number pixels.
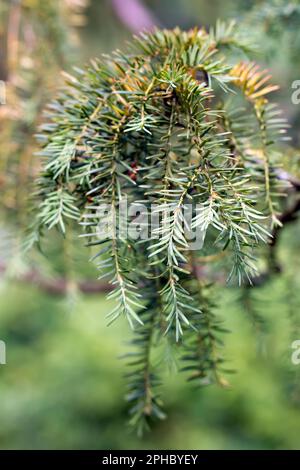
[{"x": 179, "y": 123}]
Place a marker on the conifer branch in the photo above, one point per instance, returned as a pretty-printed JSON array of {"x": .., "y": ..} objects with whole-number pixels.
[{"x": 158, "y": 126}]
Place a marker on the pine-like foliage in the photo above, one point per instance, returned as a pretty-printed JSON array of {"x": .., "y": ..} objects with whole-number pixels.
[
  {"x": 29, "y": 65},
  {"x": 176, "y": 125}
]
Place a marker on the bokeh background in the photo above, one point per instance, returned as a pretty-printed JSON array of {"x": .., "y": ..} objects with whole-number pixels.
[{"x": 63, "y": 384}]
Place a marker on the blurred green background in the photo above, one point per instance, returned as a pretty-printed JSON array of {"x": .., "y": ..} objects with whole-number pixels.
[{"x": 63, "y": 385}]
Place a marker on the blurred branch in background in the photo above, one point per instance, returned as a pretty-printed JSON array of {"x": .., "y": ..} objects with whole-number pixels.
[
  {"x": 57, "y": 286},
  {"x": 135, "y": 15}
]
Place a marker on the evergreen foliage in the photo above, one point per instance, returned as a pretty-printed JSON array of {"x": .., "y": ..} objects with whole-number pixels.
[{"x": 178, "y": 121}]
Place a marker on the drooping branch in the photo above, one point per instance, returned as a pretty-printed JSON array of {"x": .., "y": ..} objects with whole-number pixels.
[{"x": 59, "y": 286}]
